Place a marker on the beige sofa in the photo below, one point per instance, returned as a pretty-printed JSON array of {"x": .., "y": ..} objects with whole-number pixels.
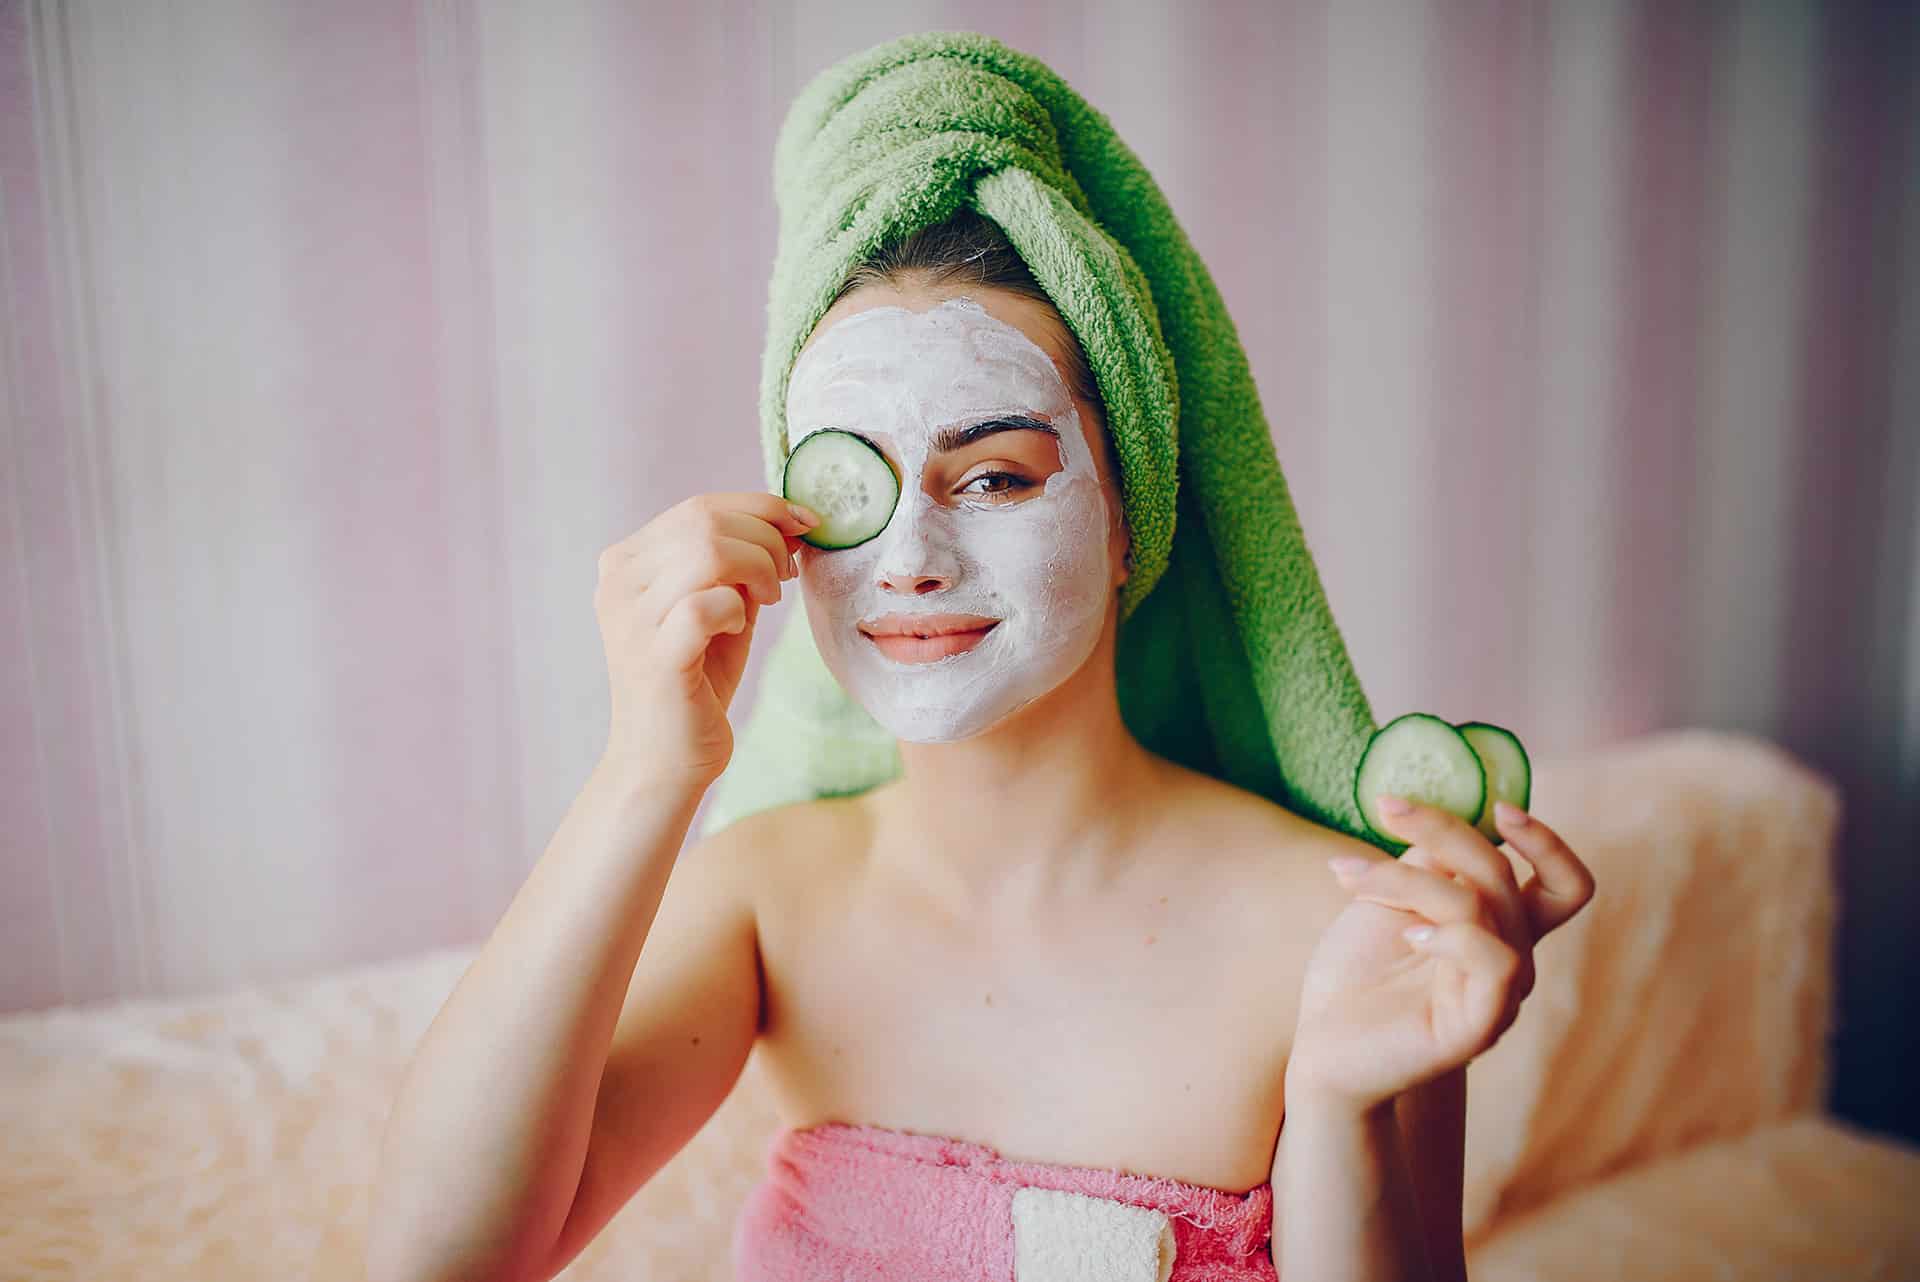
[{"x": 1654, "y": 1113}]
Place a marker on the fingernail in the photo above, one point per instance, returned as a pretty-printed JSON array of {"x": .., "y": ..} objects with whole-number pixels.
[
  {"x": 1347, "y": 865},
  {"x": 1392, "y": 805},
  {"x": 1511, "y": 816},
  {"x": 801, "y": 515},
  {"x": 1418, "y": 934}
]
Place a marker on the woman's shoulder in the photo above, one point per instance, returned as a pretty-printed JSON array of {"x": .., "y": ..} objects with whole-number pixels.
[
  {"x": 1275, "y": 859},
  {"x": 1256, "y": 826},
  {"x": 786, "y": 848}
]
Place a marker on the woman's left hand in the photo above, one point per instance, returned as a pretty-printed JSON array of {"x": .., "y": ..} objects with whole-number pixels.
[{"x": 1381, "y": 1013}]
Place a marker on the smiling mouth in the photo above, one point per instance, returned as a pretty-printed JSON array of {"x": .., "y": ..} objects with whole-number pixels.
[{"x": 911, "y": 649}]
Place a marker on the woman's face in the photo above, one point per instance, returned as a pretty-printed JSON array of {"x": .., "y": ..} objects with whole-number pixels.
[{"x": 1008, "y": 524}]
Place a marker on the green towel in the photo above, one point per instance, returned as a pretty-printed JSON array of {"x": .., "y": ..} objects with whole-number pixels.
[{"x": 1227, "y": 659}]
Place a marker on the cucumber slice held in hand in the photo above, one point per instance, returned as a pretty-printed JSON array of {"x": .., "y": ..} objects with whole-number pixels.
[
  {"x": 1509, "y": 772},
  {"x": 1425, "y": 759},
  {"x": 846, "y": 482}
]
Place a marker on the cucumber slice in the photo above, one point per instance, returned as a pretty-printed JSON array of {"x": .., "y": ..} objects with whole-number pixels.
[
  {"x": 1422, "y": 758},
  {"x": 1509, "y": 772},
  {"x": 846, "y": 481}
]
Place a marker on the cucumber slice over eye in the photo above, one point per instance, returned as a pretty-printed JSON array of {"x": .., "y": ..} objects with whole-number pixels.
[
  {"x": 846, "y": 481},
  {"x": 1425, "y": 759},
  {"x": 1509, "y": 771}
]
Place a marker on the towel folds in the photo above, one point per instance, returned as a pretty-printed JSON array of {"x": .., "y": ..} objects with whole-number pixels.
[{"x": 847, "y": 1203}]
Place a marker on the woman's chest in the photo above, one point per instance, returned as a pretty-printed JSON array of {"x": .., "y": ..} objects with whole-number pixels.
[{"x": 1148, "y": 1034}]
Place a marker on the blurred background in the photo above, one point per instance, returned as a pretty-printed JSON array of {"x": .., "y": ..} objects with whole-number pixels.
[{"x": 337, "y": 341}]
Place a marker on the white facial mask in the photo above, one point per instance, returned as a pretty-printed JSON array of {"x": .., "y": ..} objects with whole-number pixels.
[{"x": 1036, "y": 561}]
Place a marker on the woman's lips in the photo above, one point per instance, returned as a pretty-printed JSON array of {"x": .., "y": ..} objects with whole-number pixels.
[{"x": 951, "y": 638}]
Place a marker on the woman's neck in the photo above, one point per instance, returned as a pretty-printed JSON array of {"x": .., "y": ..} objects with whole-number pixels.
[{"x": 1044, "y": 807}]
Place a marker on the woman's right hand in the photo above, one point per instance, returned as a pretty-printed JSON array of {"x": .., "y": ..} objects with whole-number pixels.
[{"x": 677, "y": 601}]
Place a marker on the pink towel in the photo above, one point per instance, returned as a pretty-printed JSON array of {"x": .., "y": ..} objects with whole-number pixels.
[{"x": 871, "y": 1204}]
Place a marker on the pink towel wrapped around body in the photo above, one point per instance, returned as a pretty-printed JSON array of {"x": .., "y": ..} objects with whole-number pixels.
[{"x": 856, "y": 1203}]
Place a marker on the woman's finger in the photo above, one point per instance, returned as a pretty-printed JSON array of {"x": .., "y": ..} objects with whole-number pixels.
[
  {"x": 659, "y": 547},
  {"x": 749, "y": 528},
  {"x": 1490, "y": 965},
  {"x": 696, "y": 620},
  {"x": 1561, "y": 885},
  {"x": 1500, "y": 898},
  {"x": 725, "y": 560},
  {"x": 1453, "y": 846},
  {"x": 1425, "y": 891},
  {"x": 1504, "y": 908},
  {"x": 768, "y": 506}
]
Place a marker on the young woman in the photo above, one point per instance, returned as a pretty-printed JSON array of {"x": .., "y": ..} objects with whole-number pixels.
[{"x": 1042, "y": 941}]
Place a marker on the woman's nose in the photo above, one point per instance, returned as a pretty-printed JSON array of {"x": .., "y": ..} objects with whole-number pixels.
[
  {"x": 917, "y": 558},
  {"x": 912, "y": 584}
]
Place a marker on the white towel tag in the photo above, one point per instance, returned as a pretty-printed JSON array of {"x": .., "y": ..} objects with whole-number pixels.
[{"x": 1069, "y": 1237}]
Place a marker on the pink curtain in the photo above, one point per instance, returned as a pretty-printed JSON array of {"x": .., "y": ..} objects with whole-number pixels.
[{"x": 337, "y": 340}]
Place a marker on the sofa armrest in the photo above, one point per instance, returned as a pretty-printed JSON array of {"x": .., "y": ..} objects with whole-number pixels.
[
  {"x": 1692, "y": 1000},
  {"x": 209, "y": 1138},
  {"x": 1811, "y": 1198}
]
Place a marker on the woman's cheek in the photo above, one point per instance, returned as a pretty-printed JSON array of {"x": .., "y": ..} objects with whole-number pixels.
[
  {"x": 1059, "y": 543},
  {"x": 829, "y": 576}
]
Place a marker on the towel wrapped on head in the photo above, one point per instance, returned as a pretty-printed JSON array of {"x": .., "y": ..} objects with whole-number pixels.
[{"x": 1227, "y": 660}]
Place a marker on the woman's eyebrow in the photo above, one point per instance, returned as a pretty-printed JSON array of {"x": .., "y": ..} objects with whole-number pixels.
[{"x": 949, "y": 439}]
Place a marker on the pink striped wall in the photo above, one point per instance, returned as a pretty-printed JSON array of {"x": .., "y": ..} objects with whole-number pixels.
[
  {"x": 29, "y": 909},
  {"x": 339, "y": 339},
  {"x": 373, "y": 445},
  {"x": 72, "y": 881},
  {"x": 1668, "y": 211},
  {"x": 1486, "y": 112}
]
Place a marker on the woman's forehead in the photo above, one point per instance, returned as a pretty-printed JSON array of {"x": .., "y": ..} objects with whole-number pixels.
[
  {"x": 956, "y": 357},
  {"x": 1028, "y": 315}
]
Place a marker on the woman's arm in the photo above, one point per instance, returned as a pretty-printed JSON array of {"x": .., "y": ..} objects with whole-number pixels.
[
  {"x": 1344, "y": 1195},
  {"x": 484, "y": 1147},
  {"x": 555, "y": 1077},
  {"x": 1389, "y": 1009}
]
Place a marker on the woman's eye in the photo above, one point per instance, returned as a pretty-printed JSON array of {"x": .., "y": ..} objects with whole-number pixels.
[{"x": 1013, "y": 483}]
